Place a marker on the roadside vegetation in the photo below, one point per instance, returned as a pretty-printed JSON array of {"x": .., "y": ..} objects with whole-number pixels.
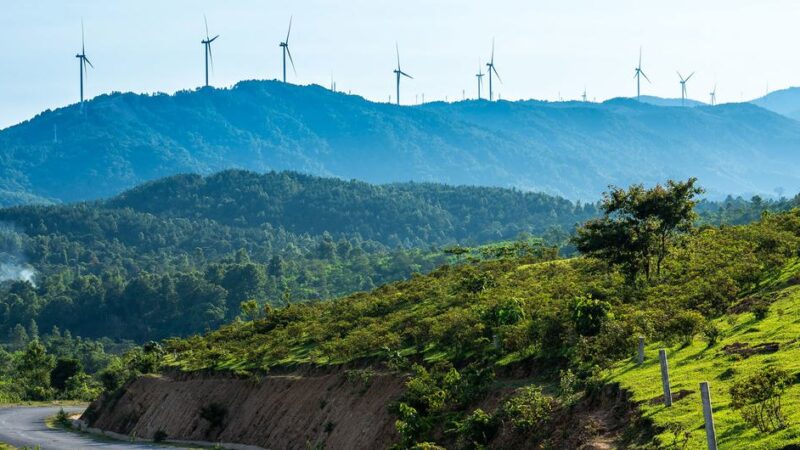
[{"x": 457, "y": 332}]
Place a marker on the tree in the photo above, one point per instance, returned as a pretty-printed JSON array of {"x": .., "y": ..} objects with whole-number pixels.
[
  {"x": 34, "y": 368},
  {"x": 65, "y": 369},
  {"x": 639, "y": 225}
]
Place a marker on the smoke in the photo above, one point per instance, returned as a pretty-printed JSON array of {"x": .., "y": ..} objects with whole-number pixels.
[
  {"x": 13, "y": 271},
  {"x": 13, "y": 263}
]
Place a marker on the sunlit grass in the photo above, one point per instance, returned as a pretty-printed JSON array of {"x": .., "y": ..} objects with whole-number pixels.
[{"x": 697, "y": 362}]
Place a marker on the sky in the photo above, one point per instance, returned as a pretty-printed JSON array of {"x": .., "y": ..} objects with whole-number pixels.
[{"x": 545, "y": 49}]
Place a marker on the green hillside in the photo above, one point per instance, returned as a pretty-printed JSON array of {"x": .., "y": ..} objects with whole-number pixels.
[
  {"x": 571, "y": 325},
  {"x": 179, "y": 255},
  {"x": 572, "y": 149}
]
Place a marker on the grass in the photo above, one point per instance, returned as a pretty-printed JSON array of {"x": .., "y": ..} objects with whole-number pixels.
[{"x": 689, "y": 365}]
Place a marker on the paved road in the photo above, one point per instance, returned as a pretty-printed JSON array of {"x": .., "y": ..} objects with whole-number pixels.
[{"x": 25, "y": 427}]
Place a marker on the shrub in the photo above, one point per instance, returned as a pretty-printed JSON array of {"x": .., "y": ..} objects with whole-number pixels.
[
  {"x": 588, "y": 315},
  {"x": 568, "y": 387},
  {"x": 684, "y": 325},
  {"x": 758, "y": 398},
  {"x": 760, "y": 310},
  {"x": 712, "y": 333},
  {"x": 477, "y": 429},
  {"x": 62, "y": 419},
  {"x": 529, "y": 410}
]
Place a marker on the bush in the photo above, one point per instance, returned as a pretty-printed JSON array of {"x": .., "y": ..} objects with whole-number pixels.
[
  {"x": 760, "y": 310},
  {"x": 588, "y": 315},
  {"x": 62, "y": 419},
  {"x": 529, "y": 410},
  {"x": 684, "y": 325},
  {"x": 477, "y": 429},
  {"x": 712, "y": 334},
  {"x": 758, "y": 398}
]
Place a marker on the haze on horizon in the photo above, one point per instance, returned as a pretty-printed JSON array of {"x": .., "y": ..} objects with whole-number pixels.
[{"x": 544, "y": 49}]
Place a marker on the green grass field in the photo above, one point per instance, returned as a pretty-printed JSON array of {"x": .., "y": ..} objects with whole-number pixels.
[{"x": 698, "y": 362}]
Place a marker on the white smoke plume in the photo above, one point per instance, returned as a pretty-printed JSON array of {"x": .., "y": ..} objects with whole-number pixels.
[{"x": 13, "y": 264}]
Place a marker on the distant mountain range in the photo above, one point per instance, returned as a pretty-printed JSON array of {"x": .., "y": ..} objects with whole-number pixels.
[
  {"x": 785, "y": 101},
  {"x": 572, "y": 149}
]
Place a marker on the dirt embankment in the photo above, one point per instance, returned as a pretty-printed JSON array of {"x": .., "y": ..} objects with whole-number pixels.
[{"x": 291, "y": 411}]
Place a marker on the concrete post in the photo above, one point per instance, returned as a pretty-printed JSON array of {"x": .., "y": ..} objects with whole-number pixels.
[
  {"x": 708, "y": 415},
  {"x": 641, "y": 350},
  {"x": 662, "y": 355}
]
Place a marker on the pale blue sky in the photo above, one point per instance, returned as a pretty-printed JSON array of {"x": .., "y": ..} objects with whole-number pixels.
[{"x": 543, "y": 47}]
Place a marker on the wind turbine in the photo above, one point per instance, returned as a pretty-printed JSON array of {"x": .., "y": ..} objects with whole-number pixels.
[
  {"x": 490, "y": 65},
  {"x": 83, "y": 61},
  {"x": 479, "y": 76},
  {"x": 683, "y": 87},
  {"x": 639, "y": 73},
  {"x": 207, "y": 44},
  {"x": 285, "y": 46},
  {"x": 399, "y": 72},
  {"x": 583, "y": 96},
  {"x": 713, "y": 95}
]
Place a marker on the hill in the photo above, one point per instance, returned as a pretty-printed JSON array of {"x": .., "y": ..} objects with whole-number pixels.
[
  {"x": 510, "y": 352},
  {"x": 661, "y": 101},
  {"x": 572, "y": 149},
  {"x": 784, "y": 101},
  {"x": 179, "y": 255}
]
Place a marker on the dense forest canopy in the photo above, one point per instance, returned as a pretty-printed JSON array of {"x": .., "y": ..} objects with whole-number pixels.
[{"x": 179, "y": 255}]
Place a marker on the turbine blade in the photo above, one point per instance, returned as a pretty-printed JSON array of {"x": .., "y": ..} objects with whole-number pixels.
[
  {"x": 86, "y": 60},
  {"x": 290, "y": 30},
  {"x": 213, "y": 39},
  {"x": 640, "y": 57},
  {"x": 83, "y": 40},
  {"x": 291, "y": 60},
  {"x": 205, "y": 20},
  {"x": 645, "y": 76},
  {"x": 210, "y": 57},
  {"x": 406, "y": 75},
  {"x": 397, "y": 51},
  {"x": 497, "y": 75},
  {"x": 690, "y": 76}
]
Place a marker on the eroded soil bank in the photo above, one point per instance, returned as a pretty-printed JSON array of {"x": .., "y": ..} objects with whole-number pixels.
[{"x": 291, "y": 411}]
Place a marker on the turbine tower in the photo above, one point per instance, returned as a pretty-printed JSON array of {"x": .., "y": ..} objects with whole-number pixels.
[
  {"x": 491, "y": 67},
  {"x": 713, "y": 95},
  {"x": 207, "y": 44},
  {"x": 285, "y": 46},
  {"x": 399, "y": 72},
  {"x": 479, "y": 76},
  {"x": 83, "y": 61},
  {"x": 683, "y": 87},
  {"x": 639, "y": 73},
  {"x": 583, "y": 96}
]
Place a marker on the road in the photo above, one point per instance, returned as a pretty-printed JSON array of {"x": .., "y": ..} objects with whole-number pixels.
[{"x": 25, "y": 427}]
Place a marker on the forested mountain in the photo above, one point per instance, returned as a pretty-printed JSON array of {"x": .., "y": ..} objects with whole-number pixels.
[
  {"x": 573, "y": 149},
  {"x": 179, "y": 255}
]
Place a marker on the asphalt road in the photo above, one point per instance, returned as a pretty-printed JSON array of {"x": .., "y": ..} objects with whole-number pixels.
[{"x": 25, "y": 427}]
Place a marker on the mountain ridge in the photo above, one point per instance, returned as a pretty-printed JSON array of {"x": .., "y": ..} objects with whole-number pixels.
[{"x": 571, "y": 149}]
